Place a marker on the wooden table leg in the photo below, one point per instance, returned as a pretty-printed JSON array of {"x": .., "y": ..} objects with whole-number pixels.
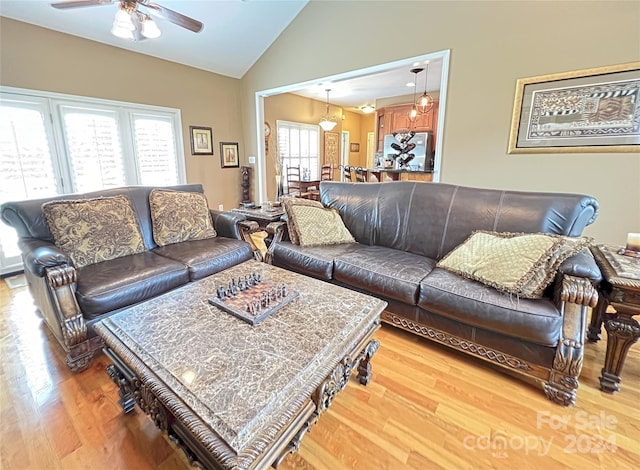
[
  {"x": 597, "y": 315},
  {"x": 622, "y": 331}
]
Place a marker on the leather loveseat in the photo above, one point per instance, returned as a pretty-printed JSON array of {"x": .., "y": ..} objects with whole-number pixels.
[
  {"x": 72, "y": 299},
  {"x": 403, "y": 229}
]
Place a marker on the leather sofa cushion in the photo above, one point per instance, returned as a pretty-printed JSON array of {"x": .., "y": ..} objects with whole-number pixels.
[
  {"x": 314, "y": 261},
  {"x": 209, "y": 256},
  {"x": 447, "y": 294},
  {"x": 383, "y": 271},
  {"x": 121, "y": 282}
]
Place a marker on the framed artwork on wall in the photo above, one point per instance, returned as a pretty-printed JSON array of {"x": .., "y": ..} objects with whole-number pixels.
[
  {"x": 355, "y": 147},
  {"x": 331, "y": 148},
  {"x": 201, "y": 140},
  {"x": 229, "y": 155},
  {"x": 594, "y": 110}
]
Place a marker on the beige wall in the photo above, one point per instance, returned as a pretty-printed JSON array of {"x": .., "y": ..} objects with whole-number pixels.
[
  {"x": 41, "y": 59},
  {"x": 492, "y": 45}
]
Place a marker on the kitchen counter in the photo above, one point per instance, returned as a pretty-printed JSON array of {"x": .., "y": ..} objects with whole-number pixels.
[{"x": 391, "y": 174}]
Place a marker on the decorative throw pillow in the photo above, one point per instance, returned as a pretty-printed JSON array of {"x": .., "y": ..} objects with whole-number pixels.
[
  {"x": 288, "y": 203},
  {"x": 94, "y": 230},
  {"x": 313, "y": 224},
  {"x": 179, "y": 216},
  {"x": 515, "y": 263}
]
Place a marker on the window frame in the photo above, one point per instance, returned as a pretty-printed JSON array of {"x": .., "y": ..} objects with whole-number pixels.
[
  {"x": 300, "y": 126},
  {"x": 125, "y": 111}
]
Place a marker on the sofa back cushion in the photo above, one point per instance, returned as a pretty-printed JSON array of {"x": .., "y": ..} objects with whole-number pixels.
[
  {"x": 29, "y": 221},
  {"x": 431, "y": 219},
  {"x": 93, "y": 230}
]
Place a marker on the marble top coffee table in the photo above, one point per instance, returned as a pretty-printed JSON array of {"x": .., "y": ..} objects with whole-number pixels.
[{"x": 233, "y": 395}]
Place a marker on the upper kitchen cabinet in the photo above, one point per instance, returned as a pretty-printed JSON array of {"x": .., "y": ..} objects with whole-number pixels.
[{"x": 396, "y": 118}]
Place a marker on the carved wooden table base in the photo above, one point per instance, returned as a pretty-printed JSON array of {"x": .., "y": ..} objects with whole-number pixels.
[
  {"x": 230, "y": 394},
  {"x": 133, "y": 391},
  {"x": 621, "y": 290}
]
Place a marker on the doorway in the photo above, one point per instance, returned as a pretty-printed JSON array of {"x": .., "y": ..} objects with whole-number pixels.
[{"x": 371, "y": 71}]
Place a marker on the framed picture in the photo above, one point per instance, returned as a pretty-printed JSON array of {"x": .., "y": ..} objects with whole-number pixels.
[
  {"x": 229, "y": 155},
  {"x": 355, "y": 147},
  {"x": 201, "y": 140},
  {"x": 331, "y": 148},
  {"x": 593, "y": 110}
]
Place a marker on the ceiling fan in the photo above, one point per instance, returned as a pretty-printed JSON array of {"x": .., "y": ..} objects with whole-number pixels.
[{"x": 134, "y": 24}]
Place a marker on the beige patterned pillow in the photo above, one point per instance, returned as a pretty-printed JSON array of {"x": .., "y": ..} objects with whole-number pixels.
[
  {"x": 93, "y": 230},
  {"x": 290, "y": 202},
  {"x": 179, "y": 216},
  {"x": 515, "y": 263},
  {"x": 318, "y": 225}
]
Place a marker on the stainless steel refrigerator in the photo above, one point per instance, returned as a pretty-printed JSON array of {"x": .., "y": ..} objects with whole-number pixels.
[{"x": 423, "y": 151}]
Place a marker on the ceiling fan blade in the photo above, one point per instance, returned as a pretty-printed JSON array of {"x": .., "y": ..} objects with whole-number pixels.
[
  {"x": 80, "y": 3},
  {"x": 173, "y": 16}
]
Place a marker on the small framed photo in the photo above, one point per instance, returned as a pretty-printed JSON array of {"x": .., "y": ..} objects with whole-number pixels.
[
  {"x": 201, "y": 140},
  {"x": 355, "y": 147},
  {"x": 229, "y": 155}
]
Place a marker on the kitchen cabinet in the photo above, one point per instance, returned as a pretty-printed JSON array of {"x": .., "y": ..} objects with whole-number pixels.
[{"x": 396, "y": 118}]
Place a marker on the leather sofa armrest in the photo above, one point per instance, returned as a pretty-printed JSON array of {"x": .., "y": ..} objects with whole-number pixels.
[
  {"x": 226, "y": 223},
  {"x": 38, "y": 255},
  {"x": 582, "y": 265}
]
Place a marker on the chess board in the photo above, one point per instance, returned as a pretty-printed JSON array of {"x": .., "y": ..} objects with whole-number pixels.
[{"x": 238, "y": 305}]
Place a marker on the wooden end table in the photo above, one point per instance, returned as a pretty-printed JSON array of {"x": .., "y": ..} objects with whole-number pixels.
[{"x": 620, "y": 289}]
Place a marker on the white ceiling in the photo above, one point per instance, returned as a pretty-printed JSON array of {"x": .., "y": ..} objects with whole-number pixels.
[
  {"x": 355, "y": 92},
  {"x": 235, "y": 34}
]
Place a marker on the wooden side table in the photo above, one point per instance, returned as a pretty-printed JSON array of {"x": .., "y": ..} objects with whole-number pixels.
[{"x": 620, "y": 289}]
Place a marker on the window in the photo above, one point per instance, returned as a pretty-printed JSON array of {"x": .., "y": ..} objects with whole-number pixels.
[
  {"x": 56, "y": 144},
  {"x": 299, "y": 145}
]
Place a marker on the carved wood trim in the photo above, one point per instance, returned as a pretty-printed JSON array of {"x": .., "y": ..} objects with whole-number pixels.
[
  {"x": 276, "y": 230},
  {"x": 576, "y": 290},
  {"x": 62, "y": 285},
  {"x": 458, "y": 343}
]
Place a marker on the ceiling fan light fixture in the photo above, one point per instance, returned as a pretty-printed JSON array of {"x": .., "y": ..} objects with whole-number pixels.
[
  {"x": 123, "y": 26},
  {"x": 150, "y": 29},
  {"x": 327, "y": 121}
]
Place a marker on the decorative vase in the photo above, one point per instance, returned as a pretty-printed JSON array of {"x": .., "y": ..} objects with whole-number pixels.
[{"x": 279, "y": 190}]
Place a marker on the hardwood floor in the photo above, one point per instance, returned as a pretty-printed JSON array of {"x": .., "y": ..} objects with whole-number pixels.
[{"x": 426, "y": 407}]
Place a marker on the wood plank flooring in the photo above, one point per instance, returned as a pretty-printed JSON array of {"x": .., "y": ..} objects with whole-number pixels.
[{"x": 427, "y": 407}]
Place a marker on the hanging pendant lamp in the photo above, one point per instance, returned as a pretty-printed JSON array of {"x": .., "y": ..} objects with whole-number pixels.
[
  {"x": 425, "y": 102},
  {"x": 413, "y": 114},
  {"x": 327, "y": 121}
]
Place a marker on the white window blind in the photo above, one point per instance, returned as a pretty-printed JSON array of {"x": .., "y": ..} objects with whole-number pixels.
[
  {"x": 298, "y": 145},
  {"x": 25, "y": 151},
  {"x": 155, "y": 146},
  {"x": 53, "y": 144},
  {"x": 94, "y": 148}
]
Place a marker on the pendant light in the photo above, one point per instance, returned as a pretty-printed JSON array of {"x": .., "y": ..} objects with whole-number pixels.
[
  {"x": 425, "y": 102},
  {"x": 328, "y": 122},
  {"x": 413, "y": 114}
]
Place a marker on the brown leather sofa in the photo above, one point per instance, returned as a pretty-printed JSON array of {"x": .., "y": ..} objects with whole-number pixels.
[
  {"x": 402, "y": 229},
  {"x": 71, "y": 300}
]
